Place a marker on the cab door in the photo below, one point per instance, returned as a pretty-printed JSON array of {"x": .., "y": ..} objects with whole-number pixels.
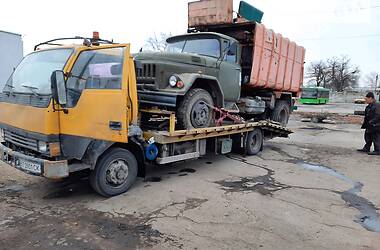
[
  {"x": 230, "y": 73},
  {"x": 97, "y": 96}
]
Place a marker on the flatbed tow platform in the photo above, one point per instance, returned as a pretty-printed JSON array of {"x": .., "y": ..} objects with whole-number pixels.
[
  {"x": 270, "y": 129},
  {"x": 179, "y": 145}
]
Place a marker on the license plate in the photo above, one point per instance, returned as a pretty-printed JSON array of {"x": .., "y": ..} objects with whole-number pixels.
[{"x": 32, "y": 167}]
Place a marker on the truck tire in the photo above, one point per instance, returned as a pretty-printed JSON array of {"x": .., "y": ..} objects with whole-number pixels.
[
  {"x": 115, "y": 172},
  {"x": 254, "y": 142},
  {"x": 192, "y": 112},
  {"x": 281, "y": 113}
]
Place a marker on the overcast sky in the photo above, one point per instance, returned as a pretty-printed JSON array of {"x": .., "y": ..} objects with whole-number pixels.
[{"x": 325, "y": 28}]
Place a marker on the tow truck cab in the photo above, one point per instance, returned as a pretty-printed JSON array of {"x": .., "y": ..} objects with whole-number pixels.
[{"x": 68, "y": 104}]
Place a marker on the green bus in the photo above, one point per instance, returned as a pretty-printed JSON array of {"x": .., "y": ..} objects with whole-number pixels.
[{"x": 315, "y": 95}]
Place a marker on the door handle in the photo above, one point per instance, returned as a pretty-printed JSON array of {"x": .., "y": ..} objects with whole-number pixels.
[{"x": 115, "y": 125}]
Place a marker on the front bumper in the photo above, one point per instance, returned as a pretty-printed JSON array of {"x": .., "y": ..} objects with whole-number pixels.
[
  {"x": 157, "y": 98},
  {"x": 34, "y": 166}
]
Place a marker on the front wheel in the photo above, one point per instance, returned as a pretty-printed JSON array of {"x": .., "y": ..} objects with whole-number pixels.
[
  {"x": 194, "y": 111},
  {"x": 115, "y": 172}
]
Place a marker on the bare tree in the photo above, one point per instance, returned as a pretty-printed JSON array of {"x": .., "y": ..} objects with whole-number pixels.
[
  {"x": 342, "y": 74},
  {"x": 157, "y": 42},
  {"x": 317, "y": 73},
  {"x": 372, "y": 79},
  {"x": 336, "y": 73}
]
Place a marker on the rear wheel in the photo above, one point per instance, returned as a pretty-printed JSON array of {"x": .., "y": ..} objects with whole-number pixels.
[
  {"x": 254, "y": 142},
  {"x": 115, "y": 172},
  {"x": 193, "y": 111},
  {"x": 281, "y": 113}
]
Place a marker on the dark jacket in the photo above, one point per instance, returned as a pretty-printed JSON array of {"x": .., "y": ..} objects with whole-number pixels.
[{"x": 372, "y": 116}]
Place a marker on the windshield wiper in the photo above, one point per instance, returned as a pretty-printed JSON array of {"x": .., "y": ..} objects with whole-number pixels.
[{"x": 32, "y": 88}]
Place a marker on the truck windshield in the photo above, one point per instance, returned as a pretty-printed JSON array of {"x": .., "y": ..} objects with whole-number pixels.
[
  {"x": 205, "y": 47},
  {"x": 32, "y": 75}
]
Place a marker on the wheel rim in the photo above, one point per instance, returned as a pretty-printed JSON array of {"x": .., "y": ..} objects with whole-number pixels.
[
  {"x": 200, "y": 114},
  {"x": 117, "y": 173}
]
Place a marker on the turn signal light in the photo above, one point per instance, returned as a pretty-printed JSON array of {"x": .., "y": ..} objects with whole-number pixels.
[
  {"x": 180, "y": 84},
  {"x": 55, "y": 149}
]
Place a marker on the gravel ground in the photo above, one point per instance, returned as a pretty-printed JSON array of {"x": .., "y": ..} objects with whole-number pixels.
[{"x": 312, "y": 191}]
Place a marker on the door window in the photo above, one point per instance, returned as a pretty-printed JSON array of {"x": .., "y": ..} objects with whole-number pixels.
[
  {"x": 95, "y": 69},
  {"x": 231, "y": 55}
]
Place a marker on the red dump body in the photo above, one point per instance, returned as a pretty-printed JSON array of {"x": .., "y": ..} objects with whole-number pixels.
[
  {"x": 278, "y": 63},
  {"x": 210, "y": 12}
]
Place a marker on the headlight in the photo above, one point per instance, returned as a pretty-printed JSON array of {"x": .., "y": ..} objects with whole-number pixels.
[
  {"x": 42, "y": 146},
  {"x": 173, "y": 80}
]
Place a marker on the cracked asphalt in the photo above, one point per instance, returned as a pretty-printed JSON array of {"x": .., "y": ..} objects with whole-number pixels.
[{"x": 311, "y": 191}]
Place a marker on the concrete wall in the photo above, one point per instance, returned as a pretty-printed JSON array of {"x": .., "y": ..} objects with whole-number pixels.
[{"x": 11, "y": 53}]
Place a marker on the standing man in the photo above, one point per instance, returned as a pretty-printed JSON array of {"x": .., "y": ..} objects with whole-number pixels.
[{"x": 371, "y": 125}]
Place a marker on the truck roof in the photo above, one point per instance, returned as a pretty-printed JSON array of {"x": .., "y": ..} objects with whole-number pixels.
[
  {"x": 10, "y": 33},
  {"x": 206, "y": 34}
]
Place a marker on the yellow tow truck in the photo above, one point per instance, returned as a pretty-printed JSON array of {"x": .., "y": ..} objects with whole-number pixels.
[{"x": 68, "y": 108}]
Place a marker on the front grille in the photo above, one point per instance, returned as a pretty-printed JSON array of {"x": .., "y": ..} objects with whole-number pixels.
[
  {"x": 146, "y": 73},
  {"x": 20, "y": 140}
]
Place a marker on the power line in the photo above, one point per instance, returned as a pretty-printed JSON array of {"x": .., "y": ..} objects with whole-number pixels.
[
  {"x": 340, "y": 38},
  {"x": 341, "y": 9},
  {"x": 368, "y": 8},
  {"x": 346, "y": 8}
]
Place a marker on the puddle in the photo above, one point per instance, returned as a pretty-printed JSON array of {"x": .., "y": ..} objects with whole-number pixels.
[
  {"x": 369, "y": 218},
  {"x": 76, "y": 188},
  {"x": 209, "y": 163},
  {"x": 313, "y": 128},
  {"x": 328, "y": 171},
  {"x": 184, "y": 174},
  {"x": 153, "y": 179},
  {"x": 188, "y": 170},
  {"x": 264, "y": 185},
  {"x": 13, "y": 188}
]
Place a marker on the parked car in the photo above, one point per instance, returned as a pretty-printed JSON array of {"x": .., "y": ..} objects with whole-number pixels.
[{"x": 359, "y": 101}]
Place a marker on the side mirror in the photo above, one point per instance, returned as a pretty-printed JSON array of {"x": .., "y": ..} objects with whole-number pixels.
[{"x": 58, "y": 87}]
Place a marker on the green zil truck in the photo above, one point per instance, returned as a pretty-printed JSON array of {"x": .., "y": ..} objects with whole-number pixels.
[{"x": 236, "y": 65}]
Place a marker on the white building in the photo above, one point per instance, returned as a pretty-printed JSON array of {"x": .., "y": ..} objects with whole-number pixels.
[{"x": 11, "y": 53}]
